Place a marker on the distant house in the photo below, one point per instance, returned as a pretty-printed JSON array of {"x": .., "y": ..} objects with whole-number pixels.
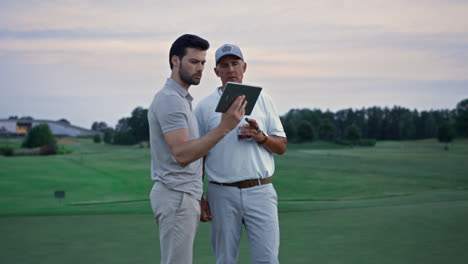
[{"x": 21, "y": 127}]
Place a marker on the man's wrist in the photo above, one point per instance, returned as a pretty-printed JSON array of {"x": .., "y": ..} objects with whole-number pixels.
[{"x": 264, "y": 139}]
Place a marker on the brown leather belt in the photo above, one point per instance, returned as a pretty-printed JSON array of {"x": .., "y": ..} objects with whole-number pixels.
[{"x": 246, "y": 183}]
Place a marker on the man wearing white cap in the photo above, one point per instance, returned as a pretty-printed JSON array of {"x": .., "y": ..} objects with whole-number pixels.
[{"x": 239, "y": 169}]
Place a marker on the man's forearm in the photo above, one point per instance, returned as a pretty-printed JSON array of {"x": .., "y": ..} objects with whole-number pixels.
[
  {"x": 275, "y": 144},
  {"x": 192, "y": 150}
]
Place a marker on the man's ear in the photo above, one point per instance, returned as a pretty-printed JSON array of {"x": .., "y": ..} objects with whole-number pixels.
[
  {"x": 175, "y": 61},
  {"x": 245, "y": 67},
  {"x": 216, "y": 71}
]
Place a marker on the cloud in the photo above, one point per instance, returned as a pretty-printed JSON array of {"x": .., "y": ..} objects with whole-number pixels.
[
  {"x": 390, "y": 61},
  {"x": 320, "y": 53},
  {"x": 209, "y": 16},
  {"x": 396, "y": 39}
]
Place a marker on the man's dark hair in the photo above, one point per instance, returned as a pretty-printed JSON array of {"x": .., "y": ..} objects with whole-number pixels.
[{"x": 179, "y": 46}]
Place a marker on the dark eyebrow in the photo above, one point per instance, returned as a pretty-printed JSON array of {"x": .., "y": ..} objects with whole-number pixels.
[{"x": 196, "y": 61}]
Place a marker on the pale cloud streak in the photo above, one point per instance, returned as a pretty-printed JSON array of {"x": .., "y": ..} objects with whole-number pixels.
[{"x": 121, "y": 48}]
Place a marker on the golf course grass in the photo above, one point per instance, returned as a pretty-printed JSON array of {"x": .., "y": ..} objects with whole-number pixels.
[{"x": 398, "y": 202}]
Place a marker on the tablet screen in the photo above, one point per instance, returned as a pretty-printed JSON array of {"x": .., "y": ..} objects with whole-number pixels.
[{"x": 233, "y": 90}]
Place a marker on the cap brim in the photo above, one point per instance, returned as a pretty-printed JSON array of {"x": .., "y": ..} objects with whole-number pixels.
[{"x": 224, "y": 55}]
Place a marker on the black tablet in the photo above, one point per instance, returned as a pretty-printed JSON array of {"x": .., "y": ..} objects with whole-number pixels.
[{"x": 233, "y": 90}]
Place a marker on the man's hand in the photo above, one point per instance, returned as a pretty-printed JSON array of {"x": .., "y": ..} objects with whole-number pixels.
[
  {"x": 231, "y": 118},
  {"x": 251, "y": 130},
  {"x": 205, "y": 215}
]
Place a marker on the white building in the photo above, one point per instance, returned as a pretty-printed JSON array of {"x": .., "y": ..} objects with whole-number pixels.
[{"x": 22, "y": 127}]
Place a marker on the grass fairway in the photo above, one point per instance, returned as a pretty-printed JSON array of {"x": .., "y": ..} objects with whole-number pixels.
[{"x": 400, "y": 202}]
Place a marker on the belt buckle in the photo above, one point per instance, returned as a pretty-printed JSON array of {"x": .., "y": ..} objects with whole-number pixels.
[{"x": 259, "y": 182}]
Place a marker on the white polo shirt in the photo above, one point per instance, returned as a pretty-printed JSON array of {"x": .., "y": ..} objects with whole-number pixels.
[{"x": 234, "y": 159}]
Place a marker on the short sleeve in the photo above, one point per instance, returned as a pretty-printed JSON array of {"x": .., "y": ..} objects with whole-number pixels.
[
  {"x": 273, "y": 122},
  {"x": 171, "y": 114}
]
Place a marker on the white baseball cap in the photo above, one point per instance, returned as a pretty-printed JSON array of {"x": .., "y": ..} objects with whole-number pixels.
[{"x": 228, "y": 49}]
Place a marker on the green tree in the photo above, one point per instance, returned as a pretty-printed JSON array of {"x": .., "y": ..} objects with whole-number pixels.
[
  {"x": 343, "y": 119},
  {"x": 461, "y": 118},
  {"x": 138, "y": 124},
  {"x": 353, "y": 133},
  {"x": 131, "y": 130},
  {"x": 108, "y": 136},
  {"x": 407, "y": 125},
  {"x": 428, "y": 125},
  {"x": 374, "y": 122},
  {"x": 305, "y": 131},
  {"x": 445, "y": 133},
  {"x": 124, "y": 137},
  {"x": 327, "y": 130},
  {"x": 123, "y": 133},
  {"x": 99, "y": 126},
  {"x": 39, "y": 136},
  {"x": 289, "y": 129},
  {"x": 97, "y": 138}
]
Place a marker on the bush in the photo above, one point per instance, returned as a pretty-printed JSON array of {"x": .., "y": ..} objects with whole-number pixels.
[
  {"x": 367, "y": 142},
  {"x": 344, "y": 142},
  {"x": 353, "y": 133},
  {"x": 445, "y": 133},
  {"x": 39, "y": 136},
  {"x": 97, "y": 138},
  {"x": 26, "y": 151},
  {"x": 124, "y": 137},
  {"x": 48, "y": 150},
  {"x": 6, "y": 151},
  {"x": 108, "y": 135}
]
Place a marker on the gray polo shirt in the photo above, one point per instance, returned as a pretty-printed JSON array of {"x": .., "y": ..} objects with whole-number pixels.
[{"x": 170, "y": 110}]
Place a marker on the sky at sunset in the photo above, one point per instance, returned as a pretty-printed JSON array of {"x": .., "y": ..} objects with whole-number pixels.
[{"x": 97, "y": 60}]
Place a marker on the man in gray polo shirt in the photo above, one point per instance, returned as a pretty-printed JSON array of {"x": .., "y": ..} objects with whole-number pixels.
[{"x": 176, "y": 150}]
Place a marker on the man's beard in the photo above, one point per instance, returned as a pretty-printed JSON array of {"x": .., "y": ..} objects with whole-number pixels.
[{"x": 187, "y": 78}]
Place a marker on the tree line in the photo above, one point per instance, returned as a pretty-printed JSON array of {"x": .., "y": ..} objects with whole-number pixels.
[
  {"x": 347, "y": 126},
  {"x": 128, "y": 131},
  {"x": 375, "y": 123}
]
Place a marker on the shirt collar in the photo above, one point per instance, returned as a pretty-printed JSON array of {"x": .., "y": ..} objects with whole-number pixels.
[
  {"x": 175, "y": 86},
  {"x": 220, "y": 91}
]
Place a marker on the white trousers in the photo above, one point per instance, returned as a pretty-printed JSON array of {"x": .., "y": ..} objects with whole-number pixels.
[
  {"x": 177, "y": 214},
  {"x": 254, "y": 207}
]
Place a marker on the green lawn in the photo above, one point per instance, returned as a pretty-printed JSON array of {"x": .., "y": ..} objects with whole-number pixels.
[{"x": 399, "y": 202}]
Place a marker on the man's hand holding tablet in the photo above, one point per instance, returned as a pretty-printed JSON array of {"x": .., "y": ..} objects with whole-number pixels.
[{"x": 232, "y": 90}]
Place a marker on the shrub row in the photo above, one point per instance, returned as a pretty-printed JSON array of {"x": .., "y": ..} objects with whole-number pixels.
[
  {"x": 364, "y": 142},
  {"x": 44, "y": 150},
  {"x": 6, "y": 151}
]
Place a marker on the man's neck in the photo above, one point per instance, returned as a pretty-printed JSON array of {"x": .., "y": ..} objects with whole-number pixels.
[
  {"x": 177, "y": 79},
  {"x": 224, "y": 85}
]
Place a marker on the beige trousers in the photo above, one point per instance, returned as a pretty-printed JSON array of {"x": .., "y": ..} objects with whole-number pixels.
[{"x": 177, "y": 214}]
